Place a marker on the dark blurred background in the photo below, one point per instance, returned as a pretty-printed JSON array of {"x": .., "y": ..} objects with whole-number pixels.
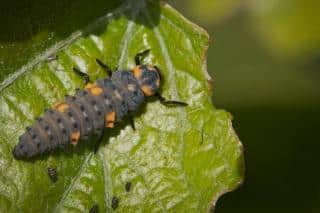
[{"x": 265, "y": 61}]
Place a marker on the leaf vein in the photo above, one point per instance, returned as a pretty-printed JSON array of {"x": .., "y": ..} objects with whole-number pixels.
[
  {"x": 73, "y": 181},
  {"x": 106, "y": 171},
  {"x": 124, "y": 43},
  {"x": 172, "y": 81}
]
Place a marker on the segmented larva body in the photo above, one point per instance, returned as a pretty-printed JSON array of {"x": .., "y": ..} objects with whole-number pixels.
[{"x": 89, "y": 111}]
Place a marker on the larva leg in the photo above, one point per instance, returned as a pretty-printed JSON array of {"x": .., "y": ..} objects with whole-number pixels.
[
  {"x": 139, "y": 57},
  {"x": 131, "y": 121},
  {"x": 169, "y": 102},
  {"x": 83, "y": 75},
  {"x": 105, "y": 67}
]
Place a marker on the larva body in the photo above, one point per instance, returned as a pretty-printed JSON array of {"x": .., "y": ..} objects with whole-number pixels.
[{"x": 89, "y": 111}]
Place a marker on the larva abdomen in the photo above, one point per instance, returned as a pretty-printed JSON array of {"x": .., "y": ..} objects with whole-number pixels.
[
  {"x": 92, "y": 109},
  {"x": 98, "y": 106}
]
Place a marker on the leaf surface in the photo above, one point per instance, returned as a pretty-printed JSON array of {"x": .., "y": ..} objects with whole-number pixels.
[{"x": 178, "y": 159}]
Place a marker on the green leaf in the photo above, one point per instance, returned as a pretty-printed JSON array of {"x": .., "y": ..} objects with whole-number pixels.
[{"x": 178, "y": 159}]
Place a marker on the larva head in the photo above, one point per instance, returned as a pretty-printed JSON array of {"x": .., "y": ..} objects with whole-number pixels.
[{"x": 148, "y": 78}]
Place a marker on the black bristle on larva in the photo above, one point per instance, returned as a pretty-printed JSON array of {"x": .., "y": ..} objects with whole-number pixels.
[{"x": 89, "y": 111}]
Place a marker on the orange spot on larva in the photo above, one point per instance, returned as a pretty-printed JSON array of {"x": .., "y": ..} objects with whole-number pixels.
[
  {"x": 75, "y": 137},
  {"x": 147, "y": 90},
  {"x": 61, "y": 107},
  {"x": 96, "y": 90},
  {"x": 137, "y": 72},
  {"x": 89, "y": 86},
  {"x": 56, "y": 104},
  {"x": 110, "y": 119},
  {"x": 93, "y": 89}
]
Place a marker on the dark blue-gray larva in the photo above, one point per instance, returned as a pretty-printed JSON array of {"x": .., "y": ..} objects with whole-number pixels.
[{"x": 98, "y": 106}]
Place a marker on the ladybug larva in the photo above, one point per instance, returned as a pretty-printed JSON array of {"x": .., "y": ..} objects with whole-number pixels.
[{"x": 98, "y": 106}]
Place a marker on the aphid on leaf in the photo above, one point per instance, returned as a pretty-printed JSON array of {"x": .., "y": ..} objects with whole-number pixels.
[
  {"x": 114, "y": 202},
  {"x": 90, "y": 111},
  {"x": 128, "y": 186},
  {"x": 52, "y": 172},
  {"x": 52, "y": 57},
  {"x": 94, "y": 209}
]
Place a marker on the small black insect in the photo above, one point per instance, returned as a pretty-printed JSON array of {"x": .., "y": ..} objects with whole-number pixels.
[
  {"x": 94, "y": 209},
  {"x": 52, "y": 57},
  {"x": 115, "y": 202},
  {"x": 128, "y": 186},
  {"x": 91, "y": 110},
  {"x": 52, "y": 172}
]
